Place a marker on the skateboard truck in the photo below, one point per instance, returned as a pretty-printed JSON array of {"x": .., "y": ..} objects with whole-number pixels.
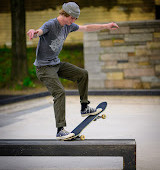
[
  {"x": 99, "y": 117},
  {"x": 79, "y": 137}
]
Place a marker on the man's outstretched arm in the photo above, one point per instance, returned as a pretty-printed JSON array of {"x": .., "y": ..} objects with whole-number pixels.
[{"x": 97, "y": 27}]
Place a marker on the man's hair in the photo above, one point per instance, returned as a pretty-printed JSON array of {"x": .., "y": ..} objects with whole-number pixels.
[{"x": 62, "y": 12}]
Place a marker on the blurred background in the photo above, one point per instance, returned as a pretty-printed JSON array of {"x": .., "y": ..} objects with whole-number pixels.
[{"x": 126, "y": 59}]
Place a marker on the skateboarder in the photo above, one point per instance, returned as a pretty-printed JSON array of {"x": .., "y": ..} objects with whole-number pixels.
[{"x": 49, "y": 68}]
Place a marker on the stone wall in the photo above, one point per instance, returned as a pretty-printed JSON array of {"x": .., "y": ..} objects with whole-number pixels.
[{"x": 128, "y": 58}]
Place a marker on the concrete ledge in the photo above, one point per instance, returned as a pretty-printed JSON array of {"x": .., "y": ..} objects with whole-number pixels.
[
  {"x": 18, "y": 98},
  {"x": 91, "y": 147},
  {"x": 154, "y": 92}
]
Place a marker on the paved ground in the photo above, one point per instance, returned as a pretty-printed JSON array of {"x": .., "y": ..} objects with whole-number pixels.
[{"x": 127, "y": 117}]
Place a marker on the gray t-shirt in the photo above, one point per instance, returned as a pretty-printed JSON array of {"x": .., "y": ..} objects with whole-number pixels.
[{"x": 51, "y": 42}]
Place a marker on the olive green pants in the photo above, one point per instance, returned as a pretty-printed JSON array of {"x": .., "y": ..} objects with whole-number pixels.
[{"x": 49, "y": 75}]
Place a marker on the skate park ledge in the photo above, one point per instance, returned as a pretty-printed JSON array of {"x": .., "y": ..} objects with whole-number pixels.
[
  {"x": 4, "y": 99},
  {"x": 125, "y": 148}
]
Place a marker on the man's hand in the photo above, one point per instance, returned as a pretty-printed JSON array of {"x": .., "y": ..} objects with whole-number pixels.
[
  {"x": 32, "y": 34},
  {"x": 112, "y": 26}
]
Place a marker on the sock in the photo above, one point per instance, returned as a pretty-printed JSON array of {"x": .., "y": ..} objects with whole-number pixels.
[
  {"x": 59, "y": 129},
  {"x": 83, "y": 106}
]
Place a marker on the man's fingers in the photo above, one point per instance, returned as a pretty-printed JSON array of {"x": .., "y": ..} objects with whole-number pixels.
[
  {"x": 114, "y": 28},
  {"x": 30, "y": 36},
  {"x": 115, "y": 25},
  {"x": 31, "y": 33},
  {"x": 36, "y": 32}
]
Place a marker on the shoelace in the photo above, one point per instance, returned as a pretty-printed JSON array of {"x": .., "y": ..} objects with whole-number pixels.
[
  {"x": 65, "y": 132},
  {"x": 90, "y": 110}
]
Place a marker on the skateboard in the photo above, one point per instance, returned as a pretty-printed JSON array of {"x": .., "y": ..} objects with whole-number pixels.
[{"x": 87, "y": 121}]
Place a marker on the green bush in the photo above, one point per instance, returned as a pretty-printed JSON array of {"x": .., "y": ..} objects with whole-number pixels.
[
  {"x": 5, "y": 66},
  {"x": 27, "y": 82}
]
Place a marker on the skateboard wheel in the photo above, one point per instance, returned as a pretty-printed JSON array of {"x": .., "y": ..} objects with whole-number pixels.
[
  {"x": 103, "y": 116},
  {"x": 95, "y": 119},
  {"x": 82, "y": 137}
]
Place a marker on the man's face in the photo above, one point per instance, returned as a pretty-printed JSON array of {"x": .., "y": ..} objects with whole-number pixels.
[{"x": 69, "y": 20}]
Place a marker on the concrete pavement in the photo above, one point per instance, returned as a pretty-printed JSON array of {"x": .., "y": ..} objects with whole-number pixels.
[{"x": 132, "y": 117}]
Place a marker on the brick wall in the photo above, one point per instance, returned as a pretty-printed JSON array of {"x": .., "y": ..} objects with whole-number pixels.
[{"x": 128, "y": 58}]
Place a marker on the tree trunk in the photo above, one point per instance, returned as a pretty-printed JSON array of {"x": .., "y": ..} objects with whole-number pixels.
[
  {"x": 157, "y": 9},
  {"x": 19, "y": 57}
]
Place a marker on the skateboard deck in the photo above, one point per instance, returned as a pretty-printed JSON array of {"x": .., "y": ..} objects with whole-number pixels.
[{"x": 87, "y": 121}]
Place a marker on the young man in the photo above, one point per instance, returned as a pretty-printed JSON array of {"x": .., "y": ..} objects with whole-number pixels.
[{"x": 49, "y": 67}]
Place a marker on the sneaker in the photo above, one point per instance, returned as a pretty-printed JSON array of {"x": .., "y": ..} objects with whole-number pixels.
[
  {"x": 90, "y": 111},
  {"x": 63, "y": 134}
]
